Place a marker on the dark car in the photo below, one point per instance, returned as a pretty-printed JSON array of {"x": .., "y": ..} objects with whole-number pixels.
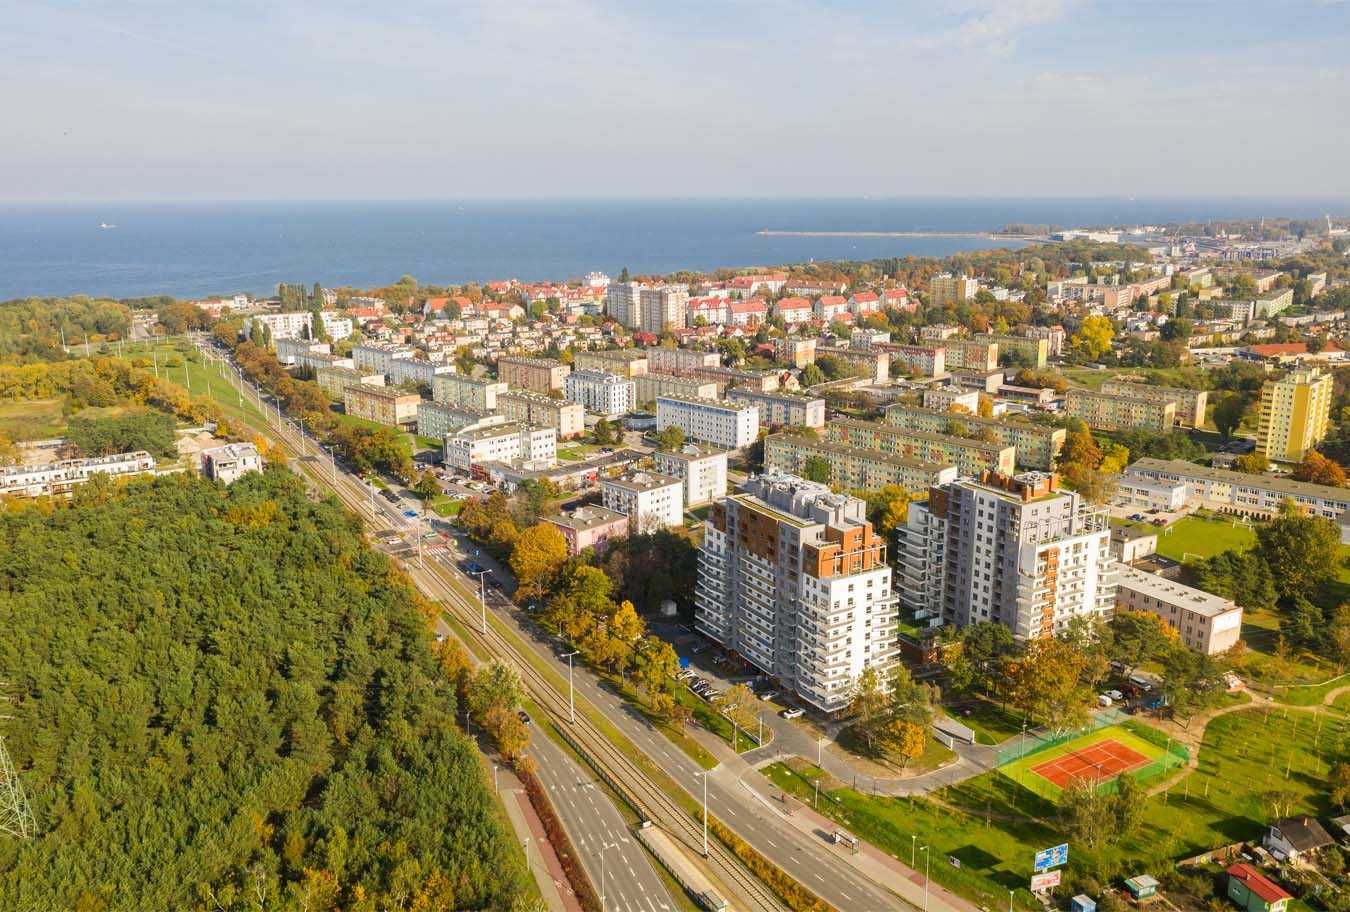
[
  {"x": 472, "y": 567},
  {"x": 524, "y": 716}
]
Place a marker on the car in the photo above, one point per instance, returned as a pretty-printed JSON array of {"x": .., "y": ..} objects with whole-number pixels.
[
  {"x": 699, "y": 648},
  {"x": 472, "y": 567},
  {"x": 523, "y": 716},
  {"x": 768, "y": 695},
  {"x": 1137, "y": 517},
  {"x": 411, "y": 514},
  {"x": 1104, "y": 700},
  {"x": 1116, "y": 695},
  {"x": 795, "y": 712}
]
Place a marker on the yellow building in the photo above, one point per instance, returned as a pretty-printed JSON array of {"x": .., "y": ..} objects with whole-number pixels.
[
  {"x": 1111, "y": 412},
  {"x": 1295, "y": 411},
  {"x": 380, "y": 404}
]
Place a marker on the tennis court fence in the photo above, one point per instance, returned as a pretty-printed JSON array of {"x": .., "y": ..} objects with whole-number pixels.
[{"x": 1033, "y": 742}]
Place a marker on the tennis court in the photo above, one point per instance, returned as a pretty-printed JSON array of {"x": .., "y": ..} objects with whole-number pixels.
[{"x": 1098, "y": 757}]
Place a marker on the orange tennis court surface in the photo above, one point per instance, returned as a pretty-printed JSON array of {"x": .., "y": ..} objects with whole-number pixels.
[{"x": 1093, "y": 763}]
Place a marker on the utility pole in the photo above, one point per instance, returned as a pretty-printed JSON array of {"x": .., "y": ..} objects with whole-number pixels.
[
  {"x": 704, "y": 776},
  {"x": 571, "y": 706},
  {"x": 16, "y": 815},
  {"x": 603, "y": 849},
  {"x": 926, "y": 857}
]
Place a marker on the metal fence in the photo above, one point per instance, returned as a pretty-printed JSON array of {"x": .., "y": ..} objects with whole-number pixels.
[{"x": 1033, "y": 742}]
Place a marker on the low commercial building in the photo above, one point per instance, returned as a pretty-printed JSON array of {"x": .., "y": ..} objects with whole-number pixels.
[
  {"x": 335, "y": 380},
  {"x": 383, "y": 405},
  {"x": 467, "y": 392},
  {"x": 1147, "y": 494},
  {"x": 511, "y": 443},
  {"x": 944, "y": 398},
  {"x": 626, "y": 362},
  {"x": 589, "y": 527},
  {"x": 702, "y": 469},
  {"x": 64, "y": 476},
  {"x": 1037, "y": 445},
  {"x": 970, "y": 457},
  {"x": 230, "y": 462},
  {"x": 650, "y": 501},
  {"x": 599, "y": 393},
  {"x": 721, "y": 424},
  {"x": 1190, "y": 404},
  {"x": 542, "y": 375},
  {"x": 1226, "y": 491},
  {"x": 567, "y": 418},
  {"x": 781, "y": 409},
  {"x": 852, "y": 468},
  {"x": 1204, "y": 622},
  {"x": 1107, "y": 412},
  {"x": 649, "y": 387},
  {"x": 1133, "y": 543}
]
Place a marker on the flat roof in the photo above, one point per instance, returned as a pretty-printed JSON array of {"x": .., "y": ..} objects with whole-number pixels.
[
  {"x": 1241, "y": 479},
  {"x": 380, "y": 392},
  {"x": 926, "y": 435},
  {"x": 587, "y": 517},
  {"x": 642, "y": 481},
  {"x": 842, "y": 449},
  {"x": 1174, "y": 593},
  {"x": 492, "y": 430}
]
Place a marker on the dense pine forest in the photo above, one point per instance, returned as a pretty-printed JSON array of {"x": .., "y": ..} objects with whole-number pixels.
[{"x": 221, "y": 699}]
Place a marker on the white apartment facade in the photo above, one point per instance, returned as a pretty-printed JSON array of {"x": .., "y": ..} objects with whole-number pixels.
[
  {"x": 511, "y": 443},
  {"x": 651, "y": 501},
  {"x": 378, "y": 359},
  {"x": 1204, "y": 622},
  {"x": 600, "y": 393},
  {"x": 709, "y": 420},
  {"x": 62, "y": 477},
  {"x": 467, "y": 392},
  {"x": 702, "y": 469}
]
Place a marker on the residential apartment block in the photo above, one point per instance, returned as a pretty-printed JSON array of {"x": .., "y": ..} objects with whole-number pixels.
[
  {"x": 873, "y": 365},
  {"x": 661, "y": 309},
  {"x": 1034, "y": 351},
  {"x": 230, "y": 462},
  {"x": 781, "y": 409},
  {"x": 680, "y": 360},
  {"x": 1012, "y": 550},
  {"x": 650, "y": 500},
  {"x": 625, "y": 362},
  {"x": 415, "y": 370},
  {"x": 64, "y": 476},
  {"x": 383, "y": 405},
  {"x": 946, "y": 289},
  {"x": 511, "y": 443},
  {"x": 920, "y": 360},
  {"x": 589, "y": 526},
  {"x": 335, "y": 380},
  {"x": 971, "y": 354},
  {"x": 1295, "y": 414},
  {"x": 567, "y": 418},
  {"x": 1190, "y": 404},
  {"x": 621, "y": 302},
  {"x": 969, "y": 456},
  {"x": 435, "y": 420},
  {"x": 1204, "y": 622},
  {"x": 795, "y": 351},
  {"x": 599, "y": 393},
  {"x": 852, "y": 468},
  {"x": 467, "y": 392},
  {"x": 793, "y": 578},
  {"x": 376, "y": 358},
  {"x": 541, "y": 375},
  {"x": 1107, "y": 412},
  {"x": 1226, "y": 491},
  {"x": 1037, "y": 445},
  {"x": 711, "y": 421},
  {"x": 947, "y": 398},
  {"x": 702, "y": 469},
  {"x": 649, "y": 387}
]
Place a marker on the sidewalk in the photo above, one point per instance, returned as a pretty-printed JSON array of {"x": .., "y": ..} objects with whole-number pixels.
[
  {"x": 539, "y": 854},
  {"x": 874, "y": 864}
]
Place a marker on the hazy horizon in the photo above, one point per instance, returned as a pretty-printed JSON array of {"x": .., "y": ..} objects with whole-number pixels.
[{"x": 745, "y": 99}]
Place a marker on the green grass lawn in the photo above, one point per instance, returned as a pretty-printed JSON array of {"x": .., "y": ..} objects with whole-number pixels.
[
  {"x": 444, "y": 506},
  {"x": 180, "y": 363},
  {"x": 1196, "y": 537},
  {"x": 991, "y": 723},
  {"x": 33, "y": 419},
  {"x": 992, "y": 826}
]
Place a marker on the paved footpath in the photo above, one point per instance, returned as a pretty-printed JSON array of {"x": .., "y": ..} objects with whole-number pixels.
[{"x": 539, "y": 854}]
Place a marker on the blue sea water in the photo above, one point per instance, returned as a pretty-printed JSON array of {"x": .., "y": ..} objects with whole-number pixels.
[{"x": 192, "y": 249}]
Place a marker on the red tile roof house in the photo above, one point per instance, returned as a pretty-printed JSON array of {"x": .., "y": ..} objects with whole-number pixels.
[
  {"x": 793, "y": 310},
  {"x": 830, "y": 306},
  {"x": 1253, "y": 891},
  {"x": 864, "y": 302},
  {"x": 899, "y": 299},
  {"x": 747, "y": 313}
]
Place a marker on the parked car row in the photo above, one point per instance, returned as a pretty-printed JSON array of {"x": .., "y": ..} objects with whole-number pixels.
[{"x": 700, "y": 686}]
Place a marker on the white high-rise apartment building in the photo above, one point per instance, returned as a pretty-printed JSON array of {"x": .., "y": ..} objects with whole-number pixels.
[
  {"x": 793, "y": 578},
  {"x": 662, "y": 308},
  {"x": 621, "y": 302},
  {"x": 600, "y": 393},
  {"x": 1013, "y": 550},
  {"x": 709, "y": 420}
]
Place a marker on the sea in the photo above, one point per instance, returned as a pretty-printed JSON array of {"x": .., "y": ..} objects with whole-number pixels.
[{"x": 124, "y": 250}]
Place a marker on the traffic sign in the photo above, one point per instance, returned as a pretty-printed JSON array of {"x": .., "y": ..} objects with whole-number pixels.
[
  {"x": 1051, "y": 858},
  {"x": 1045, "y": 881}
]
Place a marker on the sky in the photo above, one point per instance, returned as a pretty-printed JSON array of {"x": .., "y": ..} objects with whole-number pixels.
[{"x": 353, "y": 99}]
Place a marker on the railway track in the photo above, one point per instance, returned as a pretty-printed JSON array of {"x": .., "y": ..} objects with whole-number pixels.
[{"x": 622, "y": 774}]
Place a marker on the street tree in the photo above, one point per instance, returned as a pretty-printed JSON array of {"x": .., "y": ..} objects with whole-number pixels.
[
  {"x": 537, "y": 556},
  {"x": 1228, "y": 412},
  {"x": 1139, "y": 637},
  {"x": 1318, "y": 469},
  {"x": 1049, "y": 686},
  {"x": 1302, "y": 551}
]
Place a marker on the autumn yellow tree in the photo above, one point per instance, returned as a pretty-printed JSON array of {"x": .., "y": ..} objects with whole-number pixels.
[
  {"x": 1094, "y": 336},
  {"x": 537, "y": 556}
]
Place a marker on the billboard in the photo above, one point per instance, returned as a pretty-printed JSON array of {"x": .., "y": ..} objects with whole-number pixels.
[
  {"x": 1044, "y": 881},
  {"x": 1051, "y": 858}
]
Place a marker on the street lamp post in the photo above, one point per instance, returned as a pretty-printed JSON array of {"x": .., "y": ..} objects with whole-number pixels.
[
  {"x": 704, "y": 776},
  {"x": 913, "y": 842},
  {"x": 571, "y": 705},
  {"x": 482, "y": 600},
  {"x": 496, "y": 783},
  {"x": 601, "y": 852},
  {"x": 926, "y": 858},
  {"x": 820, "y": 742}
]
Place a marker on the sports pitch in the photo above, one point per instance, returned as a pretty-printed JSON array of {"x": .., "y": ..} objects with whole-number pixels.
[{"x": 1098, "y": 758}]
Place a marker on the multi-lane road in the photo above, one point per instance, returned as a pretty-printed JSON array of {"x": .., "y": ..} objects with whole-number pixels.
[{"x": 807, "y": 859}]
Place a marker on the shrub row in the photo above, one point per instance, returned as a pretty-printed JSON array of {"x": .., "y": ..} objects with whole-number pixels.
[
  {"x": 562, "y": 845},
  {"x": 796, "y": 896}
]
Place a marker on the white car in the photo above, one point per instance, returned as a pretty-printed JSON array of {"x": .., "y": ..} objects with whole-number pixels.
[
  {"x": 793, "y": 713},
  {"x": 768, "y": 695},
  {"x": 1116, "y": 695}
]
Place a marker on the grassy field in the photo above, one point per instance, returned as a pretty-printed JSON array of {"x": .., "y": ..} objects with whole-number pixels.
[
  {"x": 992, "y": 826},
  {"x": 1023, "y": 770},
  {"x": 34, "y": 419},
  {"x": 991, "y": 723},
  {"x": 181, "y": 364},
  {"x": 1196, "y": 537}
]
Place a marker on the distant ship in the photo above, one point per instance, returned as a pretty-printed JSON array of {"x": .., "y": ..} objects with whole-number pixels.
[{"x": 105, "y": 226}]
